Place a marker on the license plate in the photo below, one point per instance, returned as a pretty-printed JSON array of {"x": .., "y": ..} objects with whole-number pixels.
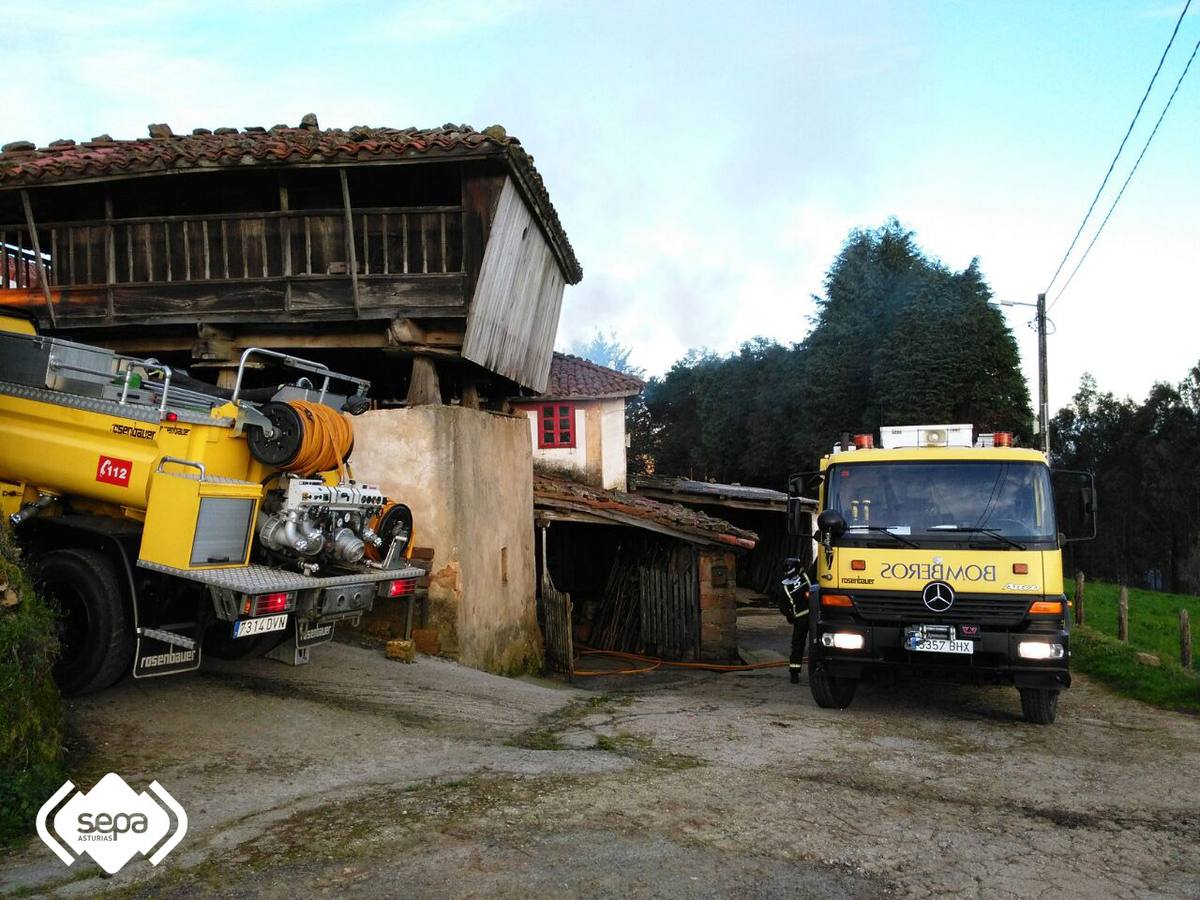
[
  {"x": 941, "y": 645},
  {"x": 248, "y": 627}
]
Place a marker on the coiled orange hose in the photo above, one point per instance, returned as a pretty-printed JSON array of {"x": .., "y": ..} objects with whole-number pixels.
[{"x": 325, "y": 440}]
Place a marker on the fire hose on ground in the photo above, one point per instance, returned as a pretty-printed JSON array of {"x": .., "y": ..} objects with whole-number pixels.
[{"x": 653, "y": 663}]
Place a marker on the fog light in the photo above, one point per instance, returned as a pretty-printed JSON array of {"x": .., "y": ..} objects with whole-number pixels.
[
  {"x": 1039, "y": 650},
  {"x": 842, "y": 640}
]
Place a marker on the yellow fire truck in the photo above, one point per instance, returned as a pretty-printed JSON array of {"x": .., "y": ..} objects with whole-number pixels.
[
  {"x": 165, "y": 516},
  {"x": 939, "y": 555}
]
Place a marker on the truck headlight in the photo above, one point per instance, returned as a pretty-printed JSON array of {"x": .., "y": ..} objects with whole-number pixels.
[
  {"x": 842, "y": 640},
  {"x": 1039, "y": 650}
]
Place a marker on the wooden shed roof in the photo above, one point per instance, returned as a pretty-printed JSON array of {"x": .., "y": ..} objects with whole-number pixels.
[
  {"x": 23, "y": 164},
  {"x": 562, "y": 495}
]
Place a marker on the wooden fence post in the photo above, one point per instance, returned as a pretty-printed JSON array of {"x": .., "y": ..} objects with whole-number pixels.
[
  {"x": 1078, "y": 598},
  {"x": 1123, "y": 615},
  {"x": 1185, "y": 639}
]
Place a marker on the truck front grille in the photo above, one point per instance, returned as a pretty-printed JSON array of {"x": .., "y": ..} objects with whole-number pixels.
[{"x": 974, "y": 609}]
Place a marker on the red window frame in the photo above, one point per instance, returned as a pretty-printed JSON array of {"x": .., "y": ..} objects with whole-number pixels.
[{"x": 556, "y": 426}]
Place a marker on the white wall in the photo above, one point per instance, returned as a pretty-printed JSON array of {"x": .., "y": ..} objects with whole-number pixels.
[
  {"x": 574, "y": 458},
  {"x": 612, "y": 444}
]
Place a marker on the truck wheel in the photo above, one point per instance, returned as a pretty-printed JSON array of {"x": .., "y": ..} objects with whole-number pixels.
[
  {"x": 1039, "y": 705},
  {"x": 95, "y": 633},
  {"x": 830, "y": 692}
]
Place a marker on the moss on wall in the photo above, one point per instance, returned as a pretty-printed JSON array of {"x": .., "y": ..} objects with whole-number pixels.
[{"x": 31, "y": 734}]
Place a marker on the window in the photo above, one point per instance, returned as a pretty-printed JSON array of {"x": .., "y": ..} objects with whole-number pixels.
[
  {"x": 936, "y": 499},
  {"x": 556, "y": 425}
]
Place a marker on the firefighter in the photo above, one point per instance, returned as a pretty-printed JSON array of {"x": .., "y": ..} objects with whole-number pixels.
[{"x": 794, "y": 607}]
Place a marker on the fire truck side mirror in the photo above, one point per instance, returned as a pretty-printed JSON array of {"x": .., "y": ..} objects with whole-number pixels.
[
  {"x": 832, "y": 523},
  {"x": 1075, "y": 493}
]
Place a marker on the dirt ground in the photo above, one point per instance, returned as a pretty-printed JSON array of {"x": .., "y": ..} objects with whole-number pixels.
[{"x": 357, "y": 776}]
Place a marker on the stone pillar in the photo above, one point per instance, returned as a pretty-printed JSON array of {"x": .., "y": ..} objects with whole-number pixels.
[
  {"x": 467, "y": 475},
  {"x": 718, "y": 604}
]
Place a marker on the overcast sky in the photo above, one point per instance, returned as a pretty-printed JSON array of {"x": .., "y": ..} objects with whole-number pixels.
[{"x": 708, "y": 160}]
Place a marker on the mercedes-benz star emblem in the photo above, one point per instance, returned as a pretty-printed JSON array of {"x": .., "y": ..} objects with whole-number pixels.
[{"x": 938, "y": 596}]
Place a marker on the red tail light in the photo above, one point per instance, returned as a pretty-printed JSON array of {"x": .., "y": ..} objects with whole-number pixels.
[
  {"x": 401, "y": 587},
  {"x": 265, "y": 604}
]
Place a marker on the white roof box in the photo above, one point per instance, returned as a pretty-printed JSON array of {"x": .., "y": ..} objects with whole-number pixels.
[{"x": 896, "y": 436}]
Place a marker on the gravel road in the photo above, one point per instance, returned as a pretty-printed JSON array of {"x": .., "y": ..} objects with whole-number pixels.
[{"x": 357, "y": 776}]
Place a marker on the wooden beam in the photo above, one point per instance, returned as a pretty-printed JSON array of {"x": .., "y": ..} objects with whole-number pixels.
[
  {"x": 406, "y": 331},
  {"x": 110, "y": 248},
  {"x": 470, "y": 392},
  {"x": 240, "y": 341},
  {"x": 350, "y": 251},
  {"x": 423, "y": 387},
  {"x": 37, "y": 254},
  {"x": 285, "y": 239}
]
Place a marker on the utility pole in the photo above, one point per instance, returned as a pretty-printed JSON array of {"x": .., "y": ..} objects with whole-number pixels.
[{"x": 1043, "y": 375}]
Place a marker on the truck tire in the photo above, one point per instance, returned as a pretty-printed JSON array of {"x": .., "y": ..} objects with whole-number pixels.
[
  {"x": 1039, "y": 705},
  {"x": 95, "y": 631},
  {"x": 829, "y": 691}
]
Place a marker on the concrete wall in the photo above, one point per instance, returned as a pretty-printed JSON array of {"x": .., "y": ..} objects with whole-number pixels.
[{"x": 467, "y": 476}]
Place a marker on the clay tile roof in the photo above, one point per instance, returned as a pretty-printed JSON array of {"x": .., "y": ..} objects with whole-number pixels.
[
  {"x": 552, "y": 492},
  {"x": 22, "y": 164},
  {"x": 574, "y": 377}
]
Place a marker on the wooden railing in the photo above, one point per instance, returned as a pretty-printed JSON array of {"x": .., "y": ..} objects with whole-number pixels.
[
  {"x": 388, "y": 241},
  {"x": 18, "y": 263}
]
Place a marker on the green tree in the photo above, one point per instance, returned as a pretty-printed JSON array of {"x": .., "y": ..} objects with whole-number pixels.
[
  {"x": 897, "y": 338},
  {"x": 1147, "y": 474},
  {"x": 609, "y": 352},
  {"x": 900, "y": 338}
]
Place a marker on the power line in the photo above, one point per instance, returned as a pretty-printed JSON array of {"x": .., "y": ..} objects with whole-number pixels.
[
  {"x": 1129, "y": 178},
  {"x": 1113, "y": 164}
]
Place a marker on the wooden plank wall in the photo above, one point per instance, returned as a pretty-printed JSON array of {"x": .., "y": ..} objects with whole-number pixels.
[{"x": 513, "y": 316}]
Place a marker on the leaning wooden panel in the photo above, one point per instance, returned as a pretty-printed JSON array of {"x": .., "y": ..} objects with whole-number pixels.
[{"x": 514, "y": 310}]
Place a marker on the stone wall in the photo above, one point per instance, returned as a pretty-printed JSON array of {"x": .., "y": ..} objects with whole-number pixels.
[
  {"x": 718, "y": 604},
  {"x": 467, "y": 476}
]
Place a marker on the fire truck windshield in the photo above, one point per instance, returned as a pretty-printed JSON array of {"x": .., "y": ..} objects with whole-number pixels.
[{"x": 934, "y": 499}]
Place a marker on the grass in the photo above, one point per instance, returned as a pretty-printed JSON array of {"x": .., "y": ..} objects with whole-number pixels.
[
  {"x": 1153, "y": 628},
  {"x": 31, "y": 729}
]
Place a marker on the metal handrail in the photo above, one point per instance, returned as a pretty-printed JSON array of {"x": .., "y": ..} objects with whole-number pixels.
[
  {"x": 60, "y": 366},
  {"x": 295, "y": 362},
  {"x": 182, "y": 462}
]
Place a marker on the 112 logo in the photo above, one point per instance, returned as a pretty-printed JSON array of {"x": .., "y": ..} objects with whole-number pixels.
[{"x": 110, "y": 470}]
